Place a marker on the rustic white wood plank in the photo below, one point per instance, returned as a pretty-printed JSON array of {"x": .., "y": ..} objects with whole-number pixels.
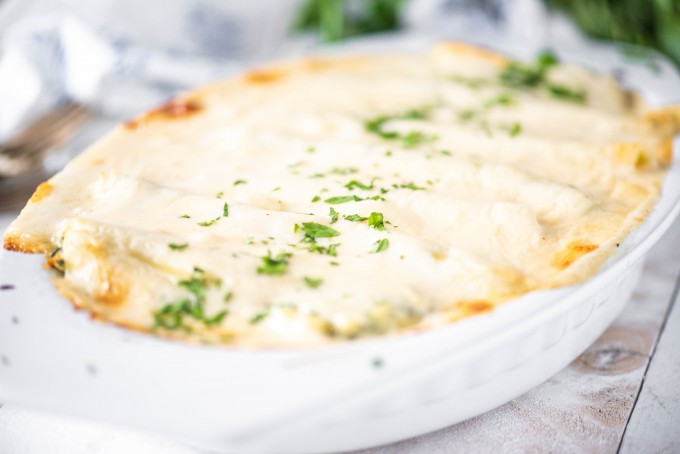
[
  {"x": 584, "y": 408},
  {"x": 655, "y": 422}
]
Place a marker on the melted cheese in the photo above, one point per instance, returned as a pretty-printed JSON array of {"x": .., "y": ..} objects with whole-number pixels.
[{"x": 486, "y": 192}]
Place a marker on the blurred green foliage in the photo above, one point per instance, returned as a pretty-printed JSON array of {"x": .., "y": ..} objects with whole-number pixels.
[
  {"x": 334, "y": 20},
  {"x": 650, "y": 23}
]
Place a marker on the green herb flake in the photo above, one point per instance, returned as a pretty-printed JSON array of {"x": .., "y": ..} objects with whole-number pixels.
[
  {"x": 410, "y": 140},
  {"x": 445, "y": 152},
  {"x": 332, "y": 250},
  {"x": 316, "y": 198},
  {"x": 238, "y": 182},
  {"x": 209, "y": 223},
  {"x": 172, "y": 316},
  {"x": 519, "y": 75},
  {"x": 315, "y": 230},
  {"x": 260, "y": 316},
  {"x": 380, "y": 245},
  {"x": 376, "y": 221},
  {"x": 500, "y": 100},
  {"x": 274, "y": 265},
  {"x": 567, "y": 94},
  {"x": 225, "y": 210},
  {"x": 546, "y": 59},
  {"x": 311, "y": 150},
  {"x": 515, "y": 130},
  {"x": 467, "y": 115},
  {"x": 219, "y": 195},
  {"x": 415, "y": 138},
  {"x": 215, "y": 319},
  {"x": 355, "y": 218},
  {"x": 343, "y": 199},
  {"x": 334, "y": 215},
  {"x": 357, "y": 184},
  {"x": 185, "y": 216},
  {"x": 178, "y": 246},
  {"x": 313, "y": 282},
  {"x": 412, "y": 186},
  {"x": 343, "y": 170}
]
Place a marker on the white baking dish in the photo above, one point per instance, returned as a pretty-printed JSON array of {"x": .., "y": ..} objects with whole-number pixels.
[{"x": 345, "y": 396}]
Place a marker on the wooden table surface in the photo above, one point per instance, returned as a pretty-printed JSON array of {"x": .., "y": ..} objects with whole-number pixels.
[{"x": 622, "y": 394}]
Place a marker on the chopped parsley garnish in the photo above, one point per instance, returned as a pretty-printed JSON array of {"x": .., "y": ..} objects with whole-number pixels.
[
  {"x": 185, "y": 216},
  {"x": 228, "y": 296},
  {"x": 411, "y": 139},
  {"x": 547, "y": 59},
  {"x": 334, "y": 215},
  {"x": 315, "y": 230},
  {"x": 415, "y": 138},
  {"x": 260, "y": 316},
  {"x": 343, "y": 170},
  {"x": 311, "y": 149},
  {"x": 219, "y": 195},
  {"x": 225, "y": 210},
  {"x": 178, "y": 246},
  {"x": 380, "y": 245},
  {"x": 312, "y": 231},
  {"x": 528, "y": 75},
  {"x": 467, "y": 115},
  {"x": 237, "y": 182},
  {"x": 210, "y": 222},
  {"x": 445, "y": 152},
  {"x": 412, "y": 186},
  {"x": 567, "y": 94},
  {"x": 249, "y": 240},
  {"x": 313, "y": 282},
  {"x": 278, "y": 188},
  {"x": 533, "y": 75},
  {"x": 388, "y": 153},
  {"x": 173, "y": 315},
  {"x": 500, "y": 100},
  {"x": 331, "y": 250},
  {"x": 357, "y": 184},
  {"x": 376, "y": 125},
  {"x": 215, "y": 319},
  {"x": 316, "y": 198},
  {"x": 274, "y": 265},
  {"x": 376, "y": 221},
  {"x": 355, "y": 218},
  {"x": 343, "y": 199},
  {"x": 515, "y": 130}
]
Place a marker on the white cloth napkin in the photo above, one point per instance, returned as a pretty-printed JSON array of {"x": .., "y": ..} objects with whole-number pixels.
[{"x": 124, "y": 56}]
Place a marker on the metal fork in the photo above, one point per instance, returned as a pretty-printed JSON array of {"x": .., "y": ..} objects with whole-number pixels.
[{"x": 26, "y": 150}]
